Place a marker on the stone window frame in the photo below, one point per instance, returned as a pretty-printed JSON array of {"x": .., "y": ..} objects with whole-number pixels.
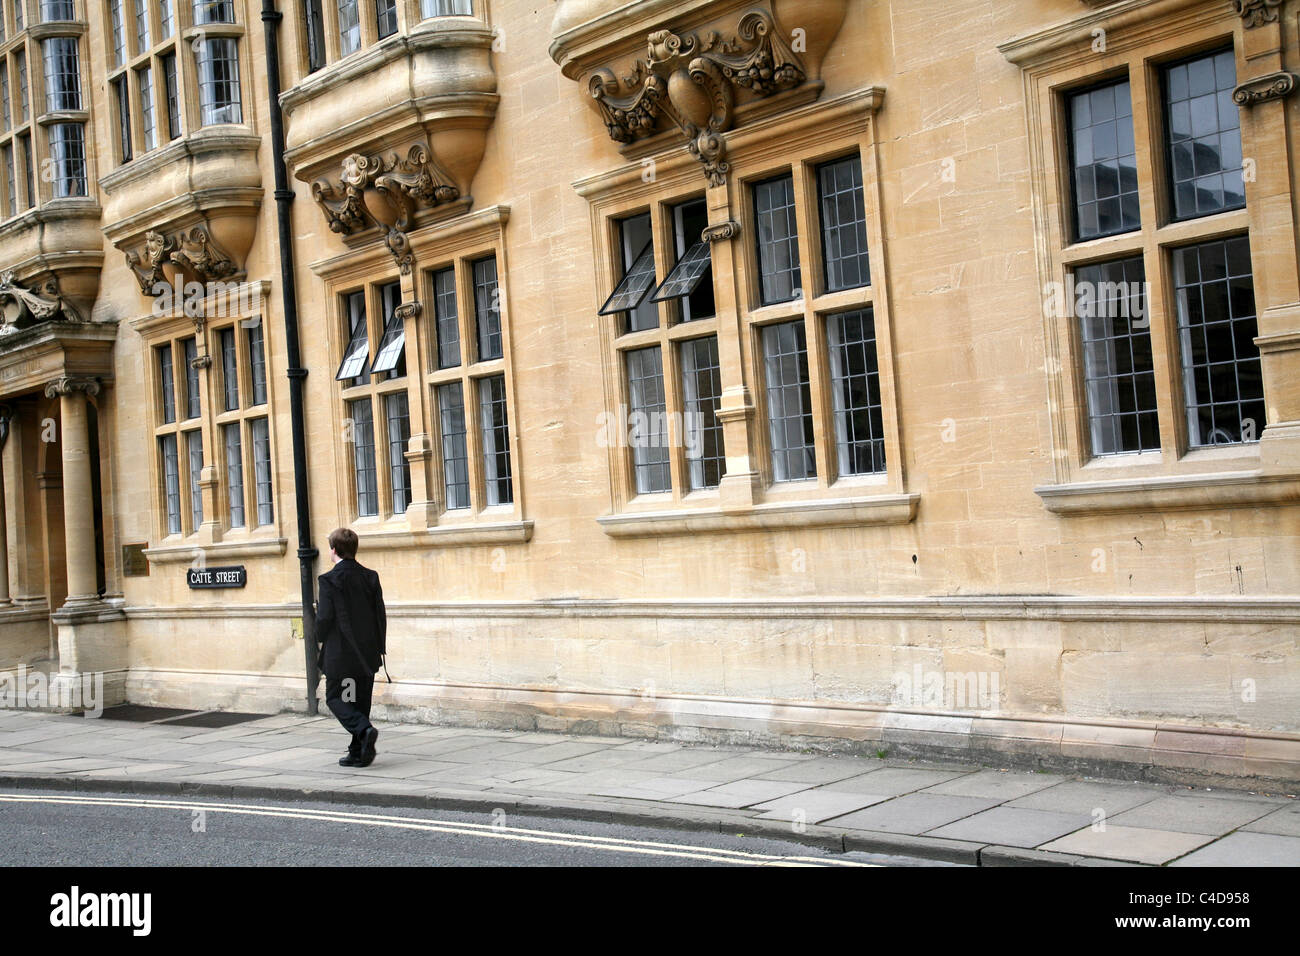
[
  {"x": 458, "y": 241},
  {"x": 1138, "y": 45},
  {"x": 243, "y": 415},
  {"x": 374, "y": 390},
  {"x": 179, "y": 427},
  {"x": 667, "y": 335},
  {"x": 800, "y": 139},
  {"x": 36, "y": 127},
  {"x": 215, "y": 537},
  {"x": 408, "y": 19},
  {"x": 185, "y": 34}
]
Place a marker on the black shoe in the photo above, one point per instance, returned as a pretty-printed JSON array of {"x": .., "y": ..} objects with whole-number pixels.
[
  {"x": 350, "y": 759},
  {"x": 368, "y": 747}
]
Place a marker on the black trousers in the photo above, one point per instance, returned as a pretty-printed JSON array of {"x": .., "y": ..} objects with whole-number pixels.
[{"x": 353, "y": 713}]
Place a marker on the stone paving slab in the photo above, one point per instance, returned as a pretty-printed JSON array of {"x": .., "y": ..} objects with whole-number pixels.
[
  {"x": 1138, "y": 844},
  {"x": 1283, "y": 822},
  {"x": 1004, "y": 784},
  {"x": 1078, "y": 796},
  {"x": 914, "y": 813},
  {"x": 814, "y": 806},
  {"x": 731, "y": 769},
  {"x": 742, "y": 793},
  {"x": 1013, "y": 826},
  {"x": 892, "y": 781},
  {"x": 1246, "y": 849},
  {"x": 1194, "y": 814},
  {"x": 820, "y": 770}
]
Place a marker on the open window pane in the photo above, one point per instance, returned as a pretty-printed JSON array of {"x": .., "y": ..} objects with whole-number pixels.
[
  {"x": 355, "y": 367},
  {"x": 638, "y": 276},
  {"x": 391, "y": 356},
  {"x": 686, "y": 275}
]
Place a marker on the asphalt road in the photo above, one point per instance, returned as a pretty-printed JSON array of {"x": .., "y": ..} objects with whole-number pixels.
[{"x": 104, "y": 829}]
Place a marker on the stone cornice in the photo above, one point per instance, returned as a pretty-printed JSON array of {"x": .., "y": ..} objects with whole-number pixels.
[{"x": 1135, "y": 20}]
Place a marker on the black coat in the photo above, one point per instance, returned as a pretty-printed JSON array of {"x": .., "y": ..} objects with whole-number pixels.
[{"x": 350, "y": 620}]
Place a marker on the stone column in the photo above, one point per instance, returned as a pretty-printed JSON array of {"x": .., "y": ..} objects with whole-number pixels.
[
  {"x": 6, "y": 414},
  {"x": 78, "y": 506}
]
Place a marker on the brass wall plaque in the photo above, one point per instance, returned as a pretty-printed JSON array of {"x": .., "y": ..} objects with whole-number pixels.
[{"x": 134, "y": 563}]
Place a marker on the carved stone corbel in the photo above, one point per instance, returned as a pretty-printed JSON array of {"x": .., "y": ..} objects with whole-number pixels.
[
  {"x": 148, "y": 268},
  {"x": 403, "y": 185},
  {"x": 70, "y": 385},
  {"x": 408, "y": 311},
  {"x": 693, "y": 81},
  {"x": 1273, "y": 86},
  {"x": 720, "y": 232},
  {"x": 1256, "y": 13},
  {"x": 205, "y": 258},
  {"x": 33, "y": 306}
]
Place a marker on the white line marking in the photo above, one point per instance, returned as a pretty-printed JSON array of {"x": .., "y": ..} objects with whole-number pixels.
[{"x": 518, "y": 834}]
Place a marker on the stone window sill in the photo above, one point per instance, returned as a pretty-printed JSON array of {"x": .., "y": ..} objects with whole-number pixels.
[
  {"x": 822, "y": 513},
  {"x": 213, "y": 553},
  {"x": 449, "y": 536},
  {"x": 1172, "y": 493}
]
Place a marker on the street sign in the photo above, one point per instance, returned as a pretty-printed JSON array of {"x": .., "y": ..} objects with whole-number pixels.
[{"x": 229, "y": 577}]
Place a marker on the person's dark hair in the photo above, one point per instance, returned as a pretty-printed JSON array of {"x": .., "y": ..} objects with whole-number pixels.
[{"x": 344, "y": 542}]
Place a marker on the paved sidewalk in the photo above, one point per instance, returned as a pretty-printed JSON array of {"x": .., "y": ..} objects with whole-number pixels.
[{"x": 948, "y": 812}]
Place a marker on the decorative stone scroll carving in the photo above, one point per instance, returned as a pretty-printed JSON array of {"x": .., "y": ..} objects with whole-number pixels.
[
  {"x": 195, "y": 251},
  {"x": 1271, "y": 87},
  {"x": 1256, "y": 13},
  {"x": 203, "y": 257},
  {"x": 388, "y": 192},
  {"x": 70, "y": 385},
  {"x": 23, "y": 306},
  {"x": 693, "y": 80},
  {"x": 720, "y": 232},
  {"x": 407, "y": 311}
]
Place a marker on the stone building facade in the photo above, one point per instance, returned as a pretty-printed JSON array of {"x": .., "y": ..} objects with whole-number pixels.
[{"x": 885, "y": 375}]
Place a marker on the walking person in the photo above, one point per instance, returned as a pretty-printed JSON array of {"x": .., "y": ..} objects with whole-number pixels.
[{"x": 350, "y": 625}]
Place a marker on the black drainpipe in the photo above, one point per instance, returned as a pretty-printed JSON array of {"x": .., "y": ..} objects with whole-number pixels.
[{"x": 271, "y": 18}]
